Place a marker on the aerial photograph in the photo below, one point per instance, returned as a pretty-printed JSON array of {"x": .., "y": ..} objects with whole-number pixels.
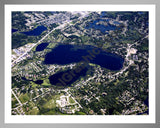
[{"x": 80, "y": 63}]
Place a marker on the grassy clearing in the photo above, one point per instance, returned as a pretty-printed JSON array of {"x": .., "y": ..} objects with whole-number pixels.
[
  {"x": 79, "y": 113},
  {"x": 24, "y": 98},
  {"x": 46, "y": 82},
  {"x": 13, "y": 53},
  {"x": 52, "y": 102},
  {"x": 14, "y": 102},
  {"x": 34, "y": 111},
  {"x": 71, "y": 100},
  {"x": 33, "y": 84},
  {"x": 51, "y": 45}
]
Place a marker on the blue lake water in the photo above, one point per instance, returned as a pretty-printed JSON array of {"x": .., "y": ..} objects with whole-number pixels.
[
  {"x": 37, "y": 81},
  {"x": 66, "y": 78},
  {"x": 35, "y": 32},
  {"x": 102, "y": 28},
  {"x": 14, "y": 30},
  {"x": 147, "y": 103},
  {"x": 41, "y": 46},
  {"x": 66, "y": 54}
]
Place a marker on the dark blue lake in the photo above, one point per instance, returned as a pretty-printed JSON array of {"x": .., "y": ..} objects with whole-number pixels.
[
  {"x": 35, "y": 32},
  {"x": 37, "y": 81},
  {"x": 66, "y": 78},
  {"x": 66, "y": 54},
  {"x": 14, "y": 30},
  {"x": 102, "y": 28},
  {"x": 147, "y": 103},
  {"x": 41, "y": 46}
]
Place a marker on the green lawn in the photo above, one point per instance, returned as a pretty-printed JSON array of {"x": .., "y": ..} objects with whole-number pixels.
[
  {"x": 33, "y": 84},
  {"x": 50, "y": 104},
  {"x": 34, "y": 111},
  {"x": 24, "y": 98},
  {"x": 79, "y": 113},
  {"x": 51, "y": 45},
  {"x": 46, "y": 82},
  {"x": 14, "y": 102},
  {"x": 71, "y": 100}
]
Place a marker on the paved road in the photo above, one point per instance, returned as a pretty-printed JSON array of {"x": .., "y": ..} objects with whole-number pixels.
[
  {"x": 16, "y": 98},
  {"x": 59, "y": 27}
]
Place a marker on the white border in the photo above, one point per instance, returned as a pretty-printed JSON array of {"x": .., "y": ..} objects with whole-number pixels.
[{"x": 80, "y": 119}]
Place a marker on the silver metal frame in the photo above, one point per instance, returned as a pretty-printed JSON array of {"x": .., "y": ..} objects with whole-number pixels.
[{"x": 3, "y": 2}]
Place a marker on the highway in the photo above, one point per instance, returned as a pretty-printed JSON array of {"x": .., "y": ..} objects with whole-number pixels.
[
  {"x": 17, "y": 98},
  {"x": 59, "y": 27}
]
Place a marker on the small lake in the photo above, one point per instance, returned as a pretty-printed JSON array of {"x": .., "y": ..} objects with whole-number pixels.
[
  {"x": 146, "y": 102},
  {"x": 35, "y": 32},
  {"x": 37, "y": 81},
  {"x": 66, "y": 54},
  {"x": 41, "y": 46},
  {"x": 101, "y": 27},
  {"x": 14, "y": 30},
  {"x": 69, "y": 77}
]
